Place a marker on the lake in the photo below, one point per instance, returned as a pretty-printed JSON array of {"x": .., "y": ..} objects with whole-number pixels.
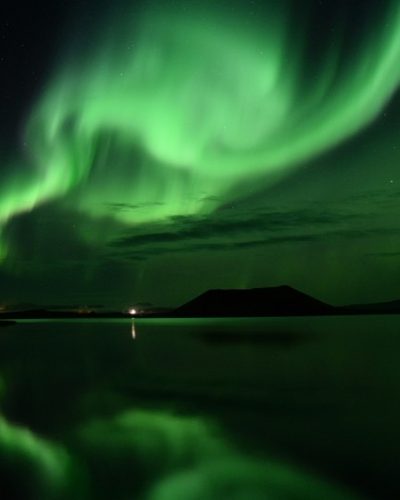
[{"x": 304, "y": 407}]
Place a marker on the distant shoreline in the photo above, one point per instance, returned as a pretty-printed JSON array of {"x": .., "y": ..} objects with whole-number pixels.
[
  {"x": 8, "y": 319},
  {"x": 271, "y": 302}
]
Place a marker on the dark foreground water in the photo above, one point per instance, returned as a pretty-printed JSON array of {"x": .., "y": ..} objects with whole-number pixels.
[{"x": 238, "y": 409}]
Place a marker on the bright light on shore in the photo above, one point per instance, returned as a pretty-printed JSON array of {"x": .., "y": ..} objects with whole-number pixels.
[{"x": 132, "y": 311}]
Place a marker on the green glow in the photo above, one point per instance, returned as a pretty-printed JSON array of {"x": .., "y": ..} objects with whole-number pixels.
[
  {"x": 3, "y": 249},
  {"x": 187, "y": 458},
  {"x": 32, "y": 465},
  {"x": 245, "y": 478},
  {"x": 155, "y": 439},
  {"x": 176, "y": 106}
]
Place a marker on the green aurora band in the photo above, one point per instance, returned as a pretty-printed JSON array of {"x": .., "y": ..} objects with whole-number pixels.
[{"x": 175, "y": 107}]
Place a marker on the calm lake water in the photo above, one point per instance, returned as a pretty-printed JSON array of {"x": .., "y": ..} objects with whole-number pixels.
[{"x": 201, "y": 409}]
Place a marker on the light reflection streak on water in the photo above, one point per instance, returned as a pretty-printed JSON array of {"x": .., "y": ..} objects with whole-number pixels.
[{"x": 133, "y": 331}]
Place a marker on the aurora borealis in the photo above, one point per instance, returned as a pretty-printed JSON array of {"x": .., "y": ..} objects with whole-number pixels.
[{"x": 204, "y": 144}]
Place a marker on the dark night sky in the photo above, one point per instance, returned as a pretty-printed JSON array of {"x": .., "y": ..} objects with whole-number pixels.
[{"x": 154, "y": 150}]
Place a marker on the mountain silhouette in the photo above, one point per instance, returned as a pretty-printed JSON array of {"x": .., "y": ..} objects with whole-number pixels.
[{"x": 271, "y": 301}]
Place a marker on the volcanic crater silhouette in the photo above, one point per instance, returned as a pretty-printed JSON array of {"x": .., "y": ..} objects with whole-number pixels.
[{"x": 256, "y": 302}]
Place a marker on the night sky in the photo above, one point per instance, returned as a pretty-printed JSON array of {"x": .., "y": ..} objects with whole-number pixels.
[{"x": 153, "y": 150}]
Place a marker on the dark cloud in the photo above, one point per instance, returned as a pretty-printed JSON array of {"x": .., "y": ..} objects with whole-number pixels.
[
  {"x": 211, "y": 198},
  {"x": 377, "y": 198},
  {"x": 384, "y": 254},
  {"x": 126, "y": 207},
  {"x": 188, "y": 228},
  {"x": 241, "y": 230}
]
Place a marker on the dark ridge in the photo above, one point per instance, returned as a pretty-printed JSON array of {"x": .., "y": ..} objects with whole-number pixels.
[
  {"x": 391, "y": 307},
  {"x": 256, "y": 302}
]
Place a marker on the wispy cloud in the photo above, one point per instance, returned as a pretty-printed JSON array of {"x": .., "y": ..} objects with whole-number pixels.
[
  {"x": 384, "y": 254},
  {"x": 239, "y": 229},
  {"x": 125, "y": 207}
]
